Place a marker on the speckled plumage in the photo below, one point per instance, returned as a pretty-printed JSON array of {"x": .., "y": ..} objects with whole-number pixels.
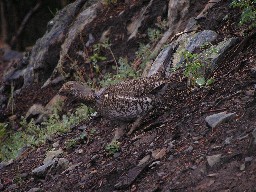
[{"x": 124, "y": 101}]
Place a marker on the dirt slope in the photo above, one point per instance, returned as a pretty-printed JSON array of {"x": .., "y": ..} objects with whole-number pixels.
[{"x": 179, "y": 139}]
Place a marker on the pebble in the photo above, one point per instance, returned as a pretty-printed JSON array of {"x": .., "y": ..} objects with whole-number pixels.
[
  {"x": 154, "y": 163},
  {"x": 63, "y": 163},
  {"x": 144, "y": 160},
  {"x": 248, "y": 159},
  {"x": 170, "y": 157},
  {"x": 50, "y": 155},
  {"x": 82, "y": 128},
  {"x": 42, "y": 170},
  {"x": 35, "y": 190},
  {"x": 242, "y": 167},
  {"x": 189, "y": 149},
  {"x": 159, "y": 153},
  {"x": 213, "y": 159},
  {"x": 218, "y": 118},
  {"x": 56, "y": 144},
  {"x": 228, "y": 140},
  {"x": 80, "y": 151}
]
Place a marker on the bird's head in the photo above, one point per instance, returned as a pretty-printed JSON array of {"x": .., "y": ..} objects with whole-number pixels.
[{"x": 78, "y": 91}]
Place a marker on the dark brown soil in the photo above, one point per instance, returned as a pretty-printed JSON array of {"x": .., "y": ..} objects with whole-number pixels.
[{"x": 184, "y": 166}]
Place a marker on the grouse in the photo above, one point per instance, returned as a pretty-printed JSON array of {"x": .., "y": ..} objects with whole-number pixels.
[{"x": 125, "y": 101}]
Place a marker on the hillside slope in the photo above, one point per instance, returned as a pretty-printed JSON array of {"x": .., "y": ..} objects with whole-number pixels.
[{"x": 175, "y": 149}]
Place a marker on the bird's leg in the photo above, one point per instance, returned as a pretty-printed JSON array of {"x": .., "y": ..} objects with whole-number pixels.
[
  {"x": 136, "y": 124},
  {"x": 119, "y": 131}
]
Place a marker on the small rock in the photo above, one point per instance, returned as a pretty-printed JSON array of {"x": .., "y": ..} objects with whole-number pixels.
[
  {"x": 34, "y": 110},
  {"x": 127, "y": 179},
  {"x": 4, "y": 164},
  {"x": 144, "y": 160},
  {"x": 216, "y": 119},
  {"x": 196, "y": 138},
  {"x": 194, "y": 167},
  {"x": 212, "y": 175},
  {"x": 250, "y": 92},
  {"x": 42, "y": 170},
  {"x": 56, "y": 144},
  {"x": 170, "y": 157},
  {"x": 253, "y": 72},
  {"x": 63, "y": 163},
  {"x": 50, "y": 155},
  {"x": 80, "y": 151},
  {"x": 159, "y": 153},
  {"x": 248, "y": 159},
  {"x": 35, "y": 190},
  {"x": 94, "y": 157},
  {"x": 189, "y": 149},
  {"x": 23, "y": 175},
  {"x": 171, "y": 144},
  {"x": 154, "y": 163},
  {"x": 228, "y": 140},
  {"x": 243, "y": 137},
  {"x": 116, "y": 155},
  {"x": 242, "y": 167},
  {"x": 82, "y": 127},
  {"x": 160, "y": 174},
  {"x": 214, "y": 159}
]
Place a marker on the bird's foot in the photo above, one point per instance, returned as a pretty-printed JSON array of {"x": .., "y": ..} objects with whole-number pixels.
[
  {"x": 135, "y": 125},
  {"x": 119, "y": 133}
]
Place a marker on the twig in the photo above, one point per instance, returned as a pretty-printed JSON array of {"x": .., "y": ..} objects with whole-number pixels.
[
  {"x": 181, "y": 33},
  {"x": 214, "y": 110},
  {"x": 24, "y": 22},
  {"x": 111, "y": 52},
  {"x": 221, "y": 98}
]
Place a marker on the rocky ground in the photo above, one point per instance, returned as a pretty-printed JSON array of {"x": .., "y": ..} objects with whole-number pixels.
[{"x": 184, "y": 148}]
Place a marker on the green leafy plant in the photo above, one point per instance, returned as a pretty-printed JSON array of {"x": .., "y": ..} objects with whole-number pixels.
[
  {"x": 97, "y": 57},
  {"x": 34, "y": 135},
  {"x": 109, "y": 2},
  {"x": 248, "y": 8},
  {"x": 3, "y": 127},
  {"x": 195, "y": 69},
  {"x": 113, "y": 147},
  {"x": 71, "y": 143},
  {"x": 154, "y": 35},
  {"x": 162, "y": 24},
  {"x": 125, "y": 71}
]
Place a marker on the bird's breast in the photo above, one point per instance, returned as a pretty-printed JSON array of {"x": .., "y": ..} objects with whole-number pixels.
[{"x": 122, "y": 107}]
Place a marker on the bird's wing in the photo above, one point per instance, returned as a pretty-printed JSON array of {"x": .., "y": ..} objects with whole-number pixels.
[{"x": 138, "y": 87}]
